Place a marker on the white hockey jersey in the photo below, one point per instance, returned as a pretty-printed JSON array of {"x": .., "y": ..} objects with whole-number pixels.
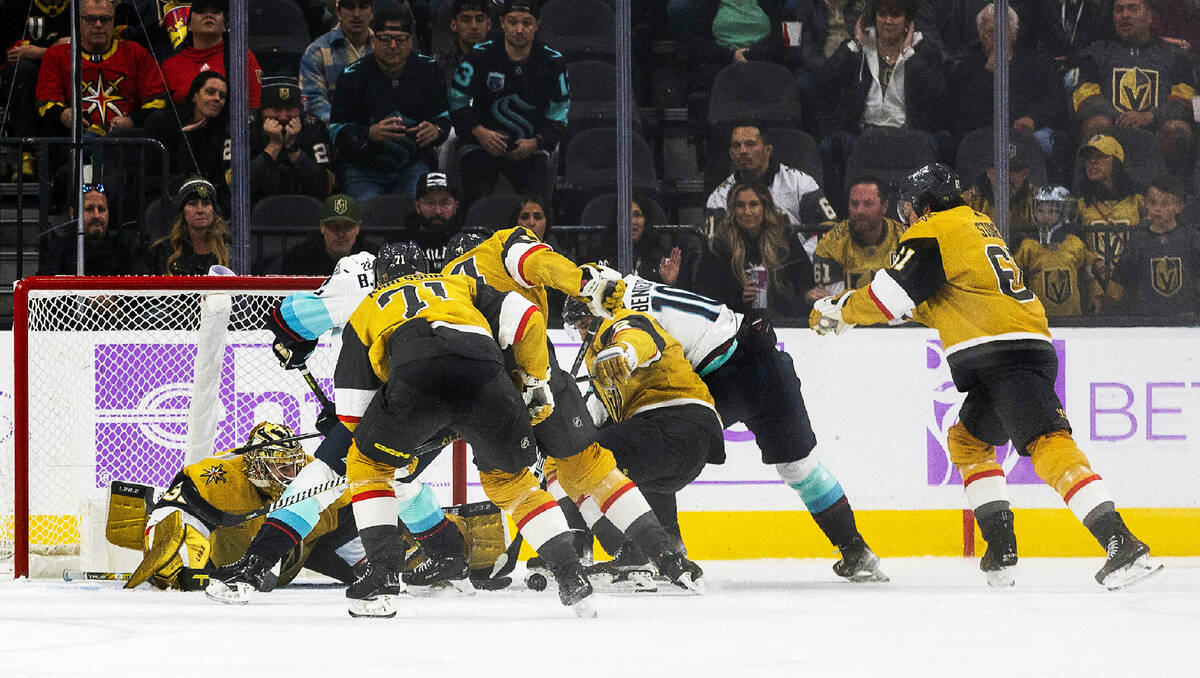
[
  {"x": 312, "y": 314},
  {"x": 701, "y": 325}
]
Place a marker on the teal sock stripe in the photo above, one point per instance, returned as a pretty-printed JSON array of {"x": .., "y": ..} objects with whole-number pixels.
[
  {"x": 819, "y": 490},
  {"x": 422, "y": 512}
]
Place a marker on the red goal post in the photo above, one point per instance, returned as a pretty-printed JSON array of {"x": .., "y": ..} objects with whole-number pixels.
[{"x": 129, "y": 378}]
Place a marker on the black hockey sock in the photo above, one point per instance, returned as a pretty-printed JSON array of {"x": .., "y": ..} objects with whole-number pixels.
[
  {"x": 1103, "y": 522},
  {"x": 579, "y": 526},
  {"x": 274, "y": 539},
  {"x": 609, "y": 535},
  {"x": 559, "y": 551},
  {"x": 383, "y": 545},
  {"x": 441, "y": 540},
  {"x": 837, "y": 522}
]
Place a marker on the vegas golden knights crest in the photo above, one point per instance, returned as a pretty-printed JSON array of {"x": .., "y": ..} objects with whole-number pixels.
[
  {"x": 340, "y": 206},
  {"x": 1056, "y": 283},
  {"x": 1135, "y": 89},
  {"x": 1109, "y": 244},
  {"x": 52, "y": 8},
  {"x": 1166, "y": 275}
]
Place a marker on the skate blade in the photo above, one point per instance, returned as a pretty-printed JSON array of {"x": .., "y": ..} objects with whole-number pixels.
[
  {"x": 693, "y": 586},
  {"x": 221, "y": 592},
  {"x": 1142, "y": 568},
  {"x": 584, "y": 609},
  {"x": 868, "y": 577},
  {"x": 635, "y": 581},
  {"x": 1002, "y": 578},
  {"x": 380, "y": 606}
]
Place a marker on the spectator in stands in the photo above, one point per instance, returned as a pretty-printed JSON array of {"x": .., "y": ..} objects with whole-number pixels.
[
  {"x": 1036, "y": 102},
  {"x": 330, "y": 54},
  {"x": 1160, "y": 269},
  {"x": 27, "y": 30},
  {"x": 848, "y": 256},
  {"x": 1063, "y": 28},
  {"x": 1054, "y": 258},
  {"x": 470, "y": 24},
  {"x": 794, "y": 193},
  {"x": 1179, "y": 23},
  {"x": 204, "y": 50},
  {"x": 1139, "y": 80},
  {"x": 723, "y": 32},
  {"x": 756, "y": 260},
  {"x": 289, "y": 149},
  {"x": 196, "y": 132},
  {"x": 339, "y": 237},
  {"x": 388, "y": 114},
  {"x": 887, "y": 75},
  {"x": 105, "y": 252},
  {"x": 509, "y": 101},
  {"x": 1110, "y": 207},
  {"x": 434, "y": 220},
  {"x": 199, "y": 238},
  {"x": 121, "y": 85},
  {"x": 981, "y": 195},
  {"x": 654, "y": 257}
]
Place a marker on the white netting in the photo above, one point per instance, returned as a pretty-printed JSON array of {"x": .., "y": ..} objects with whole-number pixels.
[{"x": 110, "y": 390}]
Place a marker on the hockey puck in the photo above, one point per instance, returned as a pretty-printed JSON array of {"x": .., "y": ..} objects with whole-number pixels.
[{"x": 536, "y": 581}]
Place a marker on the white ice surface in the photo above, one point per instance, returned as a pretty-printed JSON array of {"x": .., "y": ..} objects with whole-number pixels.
[{"x": 794, "y": 618}]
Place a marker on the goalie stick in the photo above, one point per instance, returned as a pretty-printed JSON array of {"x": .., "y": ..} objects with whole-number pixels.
[{"x": 232, "y": 519}]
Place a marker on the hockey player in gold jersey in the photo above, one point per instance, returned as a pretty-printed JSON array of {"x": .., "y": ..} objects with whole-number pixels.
[
  {"x": 515, "y": 260},
  {"x": 1053, "y": 257},
  {"x": 953, "y": 273},
  {"x": 665, "y": 427},
  {"x": 184, "y": 540}
]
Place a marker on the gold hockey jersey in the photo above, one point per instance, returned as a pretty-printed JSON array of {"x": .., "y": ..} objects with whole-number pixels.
[
  {"x": 1052, "y": 272},
  {"x": 663, "y": 376},
  {"x": 954, "y": 273},
  {"x": 458, "y": 310},
  {"x": 841, "y": 258},
  {"x": 214, "y": 487}
]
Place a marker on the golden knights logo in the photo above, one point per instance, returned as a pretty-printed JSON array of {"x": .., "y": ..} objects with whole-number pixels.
[
  {"x": 1057, "y": 285},
  {"x": 52, "y": 8},
  {"x": 101, "y": 98},
  {"x": 1109, "y": 243},
  {"x": 1135, "y": 89},
  {"x": 214, "y": 475},
  {"x": 341, "y": 206},
  {"x": 1166, "y": 275}
]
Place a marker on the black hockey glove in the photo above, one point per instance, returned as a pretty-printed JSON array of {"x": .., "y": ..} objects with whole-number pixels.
[{"x": 291, "y": 349}]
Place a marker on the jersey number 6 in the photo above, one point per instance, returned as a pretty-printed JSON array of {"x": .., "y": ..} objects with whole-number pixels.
[{"x": 1008, "y": 274}]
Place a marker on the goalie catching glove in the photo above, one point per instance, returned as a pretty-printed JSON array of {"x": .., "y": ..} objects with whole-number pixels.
[
  {"x": 538, "y": 398},
  {"x": 614, "y": 363},
  {"x": 601, "y": 288},
  {"x": 826, "y": 316}
]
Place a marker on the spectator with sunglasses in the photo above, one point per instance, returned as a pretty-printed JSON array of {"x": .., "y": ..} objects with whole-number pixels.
[
  {"x": 330, "y": 54},
  {"x": 105, "y": 251}
]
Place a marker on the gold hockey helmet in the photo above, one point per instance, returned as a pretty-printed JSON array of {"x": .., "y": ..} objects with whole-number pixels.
[{"x": 275, "y": 464}]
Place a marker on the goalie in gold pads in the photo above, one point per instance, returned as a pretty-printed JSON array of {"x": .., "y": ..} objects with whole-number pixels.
[
  {"x": 953, "y": 273},
  {"x": 183, "y": 538}
]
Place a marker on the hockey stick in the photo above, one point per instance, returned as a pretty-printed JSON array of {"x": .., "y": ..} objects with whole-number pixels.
[
  {"x": 77, "y": 575},
  {"x": 290, "y": 439},
  {"x": 232, "y": 519},
  {"x": 316, "y": 388}
]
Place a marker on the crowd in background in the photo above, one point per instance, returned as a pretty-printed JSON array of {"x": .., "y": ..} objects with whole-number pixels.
[{"x": 1102, "y": 111}]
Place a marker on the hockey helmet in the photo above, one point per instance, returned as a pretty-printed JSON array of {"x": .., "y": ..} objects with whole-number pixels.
[
  {"x": 462, "y": 242},
  {"x": 398, "y": 259},
  {"x": 935, "y": 186},
  {"x": 1056, "y": 201},
  {"x": 573, "y": 315},
  {"x": 277, "y": 460}
]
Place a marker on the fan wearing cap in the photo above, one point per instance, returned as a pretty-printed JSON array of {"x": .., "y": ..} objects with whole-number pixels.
[
  {"x": 981, "y": 195},
  {"x": 289, "y": 149},
  {"x": 339, "y": 237},
  {"x": 204, "y": 50},
  {"x": 509, "y": 101},
  {"x": 470, "y": 24},
  {"x": 389, "y": 112},
  {"x": 198, "y": 239},
  {"x": 329, "y": 55},
  {"x": 435, "y": 220},
  {"x": 1110, "y": 207}
]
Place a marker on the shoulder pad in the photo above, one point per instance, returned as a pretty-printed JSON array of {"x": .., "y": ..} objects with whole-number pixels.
[{"x": 359, "y": 261}]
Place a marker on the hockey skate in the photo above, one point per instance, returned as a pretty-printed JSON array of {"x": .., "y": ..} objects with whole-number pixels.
[
  {"x": 574, "y": 589},
  {"x": 629, "y": 571},
  {"x": 680, "y": 571},
  {"x": 434, "y": 574},
  {"x": 1128, "y": 562},
  {"x": 859, "y": 564},
  {"x": 1000, "y": 559},
  {"x": 373, "y": 593},
  {"x": 233, "y": 584}
]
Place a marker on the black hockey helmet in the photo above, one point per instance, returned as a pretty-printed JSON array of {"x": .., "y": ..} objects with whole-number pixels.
[
  {"x": 935, "y": 186},
  {"x": 462, "y": 242},
  {"x": 398, "y": 259}
]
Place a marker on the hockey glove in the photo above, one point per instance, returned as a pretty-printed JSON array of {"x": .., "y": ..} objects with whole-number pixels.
[
  {"x": 538, "y": 398},
  {"x": 602, "y": 289},
  {"x": 826, "y": 316},
  {"x": 291, "y": 350},
  {"x": 327, "y": 420},
  {"x": 614, "y": 364}
]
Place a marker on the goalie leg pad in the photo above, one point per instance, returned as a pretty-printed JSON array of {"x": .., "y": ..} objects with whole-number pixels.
[
  {"x": 537, "y": 515},
  {"x": 163, "y": 542},
  {"x": 128, "y": 509}
]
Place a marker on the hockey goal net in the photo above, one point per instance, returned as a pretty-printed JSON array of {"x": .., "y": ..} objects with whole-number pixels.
[{"x": 129, "y": 379}]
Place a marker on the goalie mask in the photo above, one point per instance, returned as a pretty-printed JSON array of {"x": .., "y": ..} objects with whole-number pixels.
[
  {"x": 274, "y": 465},
  {"x": 398, "y": 259},
  {"x": 1053, "y": 206}
]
